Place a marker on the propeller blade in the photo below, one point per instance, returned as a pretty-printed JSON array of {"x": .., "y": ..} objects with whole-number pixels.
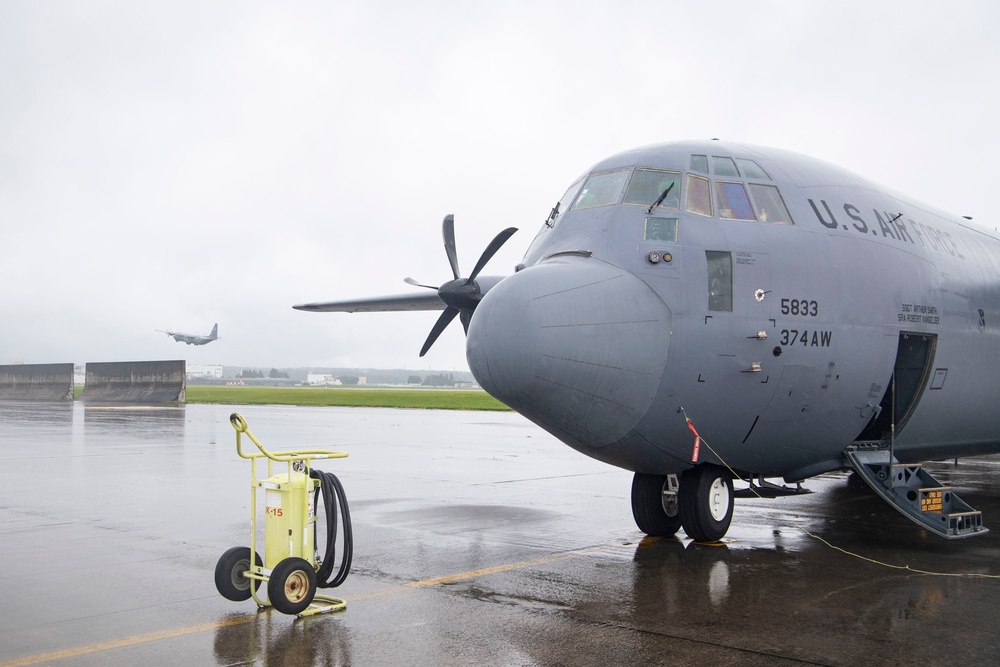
[
  {"x": 491, "y": 250},
  {"x": 411, "y": 281},
  {"x": 446, "y": 317},
  {"x": 461, "y": 294},
  {"x": 448, "y": 231}
]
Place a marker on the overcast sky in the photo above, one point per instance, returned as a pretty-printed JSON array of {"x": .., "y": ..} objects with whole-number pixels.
[{"x": 169, "y": 165}]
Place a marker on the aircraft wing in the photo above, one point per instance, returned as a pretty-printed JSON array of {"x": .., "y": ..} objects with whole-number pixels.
[{"x": 398, "y": 302}]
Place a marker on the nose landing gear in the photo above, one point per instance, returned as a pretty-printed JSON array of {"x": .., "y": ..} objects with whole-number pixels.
[
  {"x": 702, "y": 503},
  {"x": 655, "y": 504}
]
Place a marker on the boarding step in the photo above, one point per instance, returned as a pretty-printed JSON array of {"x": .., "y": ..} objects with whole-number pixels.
[
  {"x": 761, "y": 488},
  {"x": 915, "y": 493}
]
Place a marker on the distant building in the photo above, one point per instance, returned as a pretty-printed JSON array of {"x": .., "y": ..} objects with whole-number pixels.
[
  {"x": 204, "y": 372},
  {"x": 321, "y": 379}
]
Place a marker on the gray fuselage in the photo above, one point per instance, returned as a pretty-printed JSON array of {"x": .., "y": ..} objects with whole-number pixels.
[{"x": 779, "y": 338}]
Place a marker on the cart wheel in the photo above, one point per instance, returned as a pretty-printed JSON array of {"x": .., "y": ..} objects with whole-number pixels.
[
  {"x": 229, "y": 571},
  {"x": 292, "y": 585}
]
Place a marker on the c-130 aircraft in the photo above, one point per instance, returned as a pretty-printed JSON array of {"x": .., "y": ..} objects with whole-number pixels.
[
  {"x": 193, "y": 339},
  {"x": 700, "y": 311}
]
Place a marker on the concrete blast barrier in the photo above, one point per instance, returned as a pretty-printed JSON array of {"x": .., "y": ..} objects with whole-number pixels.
[
  {"x": 135, "y": 382},
  {"x": 37, "y": 382}
]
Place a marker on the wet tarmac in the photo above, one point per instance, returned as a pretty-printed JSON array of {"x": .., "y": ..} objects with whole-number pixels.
[{"x": 479, "y": 540}]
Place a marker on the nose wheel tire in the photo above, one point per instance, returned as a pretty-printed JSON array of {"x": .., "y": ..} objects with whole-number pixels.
[
  {"x": 706, "y": 500},
  {"x": 229, "y": 578},
  {"x": 655, "y": 512},
  {"x": 292, "y": 585}
]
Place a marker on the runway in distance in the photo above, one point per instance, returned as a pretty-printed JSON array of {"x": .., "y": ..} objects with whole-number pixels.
[
  {"x": 193, "y": 339},
  {"x": 699, "y": 311}
]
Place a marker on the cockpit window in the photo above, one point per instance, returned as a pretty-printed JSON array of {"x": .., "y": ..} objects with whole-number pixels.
[
  {"x": 647, "y": 187},
  {"x": 661, "y": 229},
  {"x": 751, "y": 169},
  {"x": 699, "y": 163},
  {"x": 697, "y": 195},
  {"x": 602, "y": 189},
  {"x": 724, "y": 166},
  {"x": 770, "y": 205},
  {"x": 733, "y": 201}
]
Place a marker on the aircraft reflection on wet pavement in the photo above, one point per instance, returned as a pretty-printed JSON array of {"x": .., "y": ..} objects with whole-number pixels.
[{"x": 804, "y": 318}]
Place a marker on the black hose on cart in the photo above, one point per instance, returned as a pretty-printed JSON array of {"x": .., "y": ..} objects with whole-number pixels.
[{"x": 333, "y": 496}]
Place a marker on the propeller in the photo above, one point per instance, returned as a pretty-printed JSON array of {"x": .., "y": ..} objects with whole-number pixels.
[{"x": 461, "y": 295}]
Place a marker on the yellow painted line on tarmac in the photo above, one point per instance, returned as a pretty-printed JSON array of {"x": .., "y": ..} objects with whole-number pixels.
[
  {"x": 473, "y": 574},
  {"x": 77, "y": 651},
  {"x": 134, "y": 640}
]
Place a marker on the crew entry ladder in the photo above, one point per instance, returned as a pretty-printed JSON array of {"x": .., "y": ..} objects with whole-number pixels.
[{"x": 915, "y": 493}]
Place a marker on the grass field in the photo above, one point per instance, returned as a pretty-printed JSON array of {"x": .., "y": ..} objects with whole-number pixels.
[{"x": 436, "y": 399}]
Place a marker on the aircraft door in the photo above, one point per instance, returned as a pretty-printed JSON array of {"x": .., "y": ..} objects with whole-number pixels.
[
  {"x": 738, "y": 333},
  {"x": 911, "y": 373}
]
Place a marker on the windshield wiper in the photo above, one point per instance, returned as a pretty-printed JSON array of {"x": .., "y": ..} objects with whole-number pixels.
[
  {"x": 551, "y": 220},
  {"x": 663, "y": 195}
]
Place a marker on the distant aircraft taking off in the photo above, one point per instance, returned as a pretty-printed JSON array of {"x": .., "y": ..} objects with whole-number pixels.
[{"x": 193, "y": 339}]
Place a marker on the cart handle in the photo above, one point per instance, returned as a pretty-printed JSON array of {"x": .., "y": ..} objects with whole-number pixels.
[{"x": 240, "y": 424}]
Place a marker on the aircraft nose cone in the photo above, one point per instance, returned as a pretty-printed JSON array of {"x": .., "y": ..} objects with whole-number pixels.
[{"x": 576, "y": 345}]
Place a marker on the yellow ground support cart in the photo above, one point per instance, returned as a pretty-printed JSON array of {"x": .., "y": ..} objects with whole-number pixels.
[{"x": 292, "y": 565}]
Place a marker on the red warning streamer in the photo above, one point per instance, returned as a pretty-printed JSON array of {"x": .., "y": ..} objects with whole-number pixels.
[{"x": 697, "y": 441}]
